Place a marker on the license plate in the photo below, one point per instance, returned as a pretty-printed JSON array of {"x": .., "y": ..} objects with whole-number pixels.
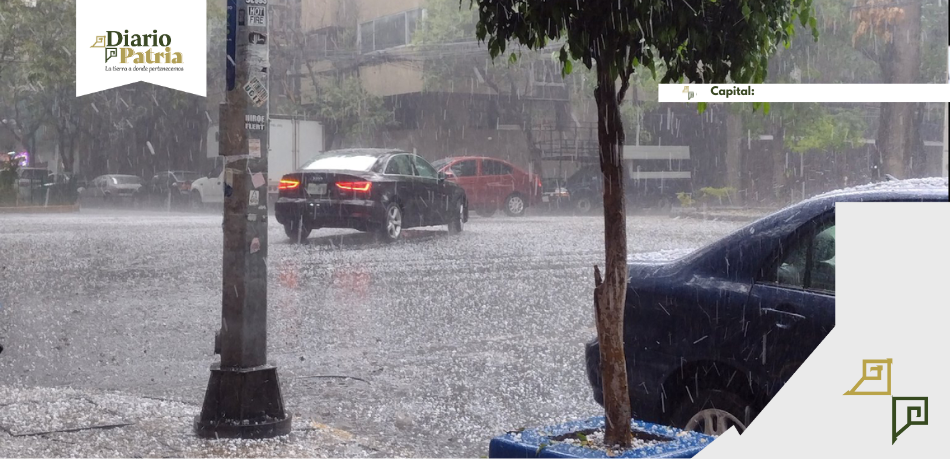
[
  {"x": 545, "y": 199},
  {"x": 315, "y": 188}
]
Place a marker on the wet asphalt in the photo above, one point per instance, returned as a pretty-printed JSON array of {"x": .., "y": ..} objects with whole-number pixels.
[{"x": 426, "y": 347}]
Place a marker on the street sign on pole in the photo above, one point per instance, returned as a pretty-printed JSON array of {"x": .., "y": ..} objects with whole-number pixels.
[{"x": 243, "y": 399}]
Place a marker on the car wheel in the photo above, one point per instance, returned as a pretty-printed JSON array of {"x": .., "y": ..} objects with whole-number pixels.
[
  {"x": 583, "y": 205},
  {"x": 485, "y": 212},
  {"x": 713, "y": 412},
  {"x": 392, "y": 228},
  {"x": 515, "y": 205},
  {"x": 297, "y": 231},
  {"x": 457, "y": 220}
]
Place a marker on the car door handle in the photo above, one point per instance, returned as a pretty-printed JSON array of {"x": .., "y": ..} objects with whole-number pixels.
[{"x": 785, "y": 318}]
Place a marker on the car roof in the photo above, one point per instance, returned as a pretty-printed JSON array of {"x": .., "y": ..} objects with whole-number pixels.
[
  {"x": 932, "y": 189},
  {"x": 467, "y": 158},
  {"x": 378, "y": 152},
  {"x": 893, "y": 189}
]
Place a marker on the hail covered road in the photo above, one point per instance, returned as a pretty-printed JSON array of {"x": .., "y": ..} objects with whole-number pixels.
[{"x": 429, "y": 346}]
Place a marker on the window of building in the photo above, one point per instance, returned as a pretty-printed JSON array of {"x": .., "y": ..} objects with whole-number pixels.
[{"x": 390, "y": 31}]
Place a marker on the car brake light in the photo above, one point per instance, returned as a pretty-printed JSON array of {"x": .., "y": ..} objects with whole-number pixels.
[
  {"x": 288, "y": 184},
  {"x": 354, "y": 186}
]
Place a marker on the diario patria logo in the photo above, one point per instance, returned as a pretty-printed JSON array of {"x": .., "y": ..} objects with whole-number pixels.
[
  {"x": 876, "y": 380},
  {"x": 167, "y": 46},
  {"x": 138, "y": 49}
]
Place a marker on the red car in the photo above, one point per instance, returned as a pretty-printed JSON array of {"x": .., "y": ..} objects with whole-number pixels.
[{"x": 491, "y": 184}]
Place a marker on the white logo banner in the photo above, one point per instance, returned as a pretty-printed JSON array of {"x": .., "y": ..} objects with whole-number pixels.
[
  {"x": 120, "y": 42},
  {"x": 777, "y": 93}
]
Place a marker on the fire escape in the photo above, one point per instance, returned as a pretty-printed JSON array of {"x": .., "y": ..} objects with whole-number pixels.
[{"x": 577, "y": 143}]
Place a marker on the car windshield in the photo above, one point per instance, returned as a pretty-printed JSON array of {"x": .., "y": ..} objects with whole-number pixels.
[
  {"x": 186, "y": 176},
  {"x": 125, "y": 180},
  {"x": 341, "y": 163}
]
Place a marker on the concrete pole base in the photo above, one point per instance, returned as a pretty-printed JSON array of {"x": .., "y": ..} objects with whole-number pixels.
[{"x": 243, "y": 403}]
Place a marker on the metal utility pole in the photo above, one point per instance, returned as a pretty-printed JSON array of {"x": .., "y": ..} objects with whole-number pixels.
[{"x": 243, "y": 399}]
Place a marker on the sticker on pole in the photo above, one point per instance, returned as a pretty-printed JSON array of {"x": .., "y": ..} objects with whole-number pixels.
[
  {"x": 258, "y": 180},
  {"x": 256, "y": 91},
  {"x": 254, "y": 148},
  {"x": 257, "y": 60},
  {"x": 166, "y": 47},
  {"x": 256, "y": 16}
]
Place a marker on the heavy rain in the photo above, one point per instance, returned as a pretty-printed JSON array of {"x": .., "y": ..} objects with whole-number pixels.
[{"x": 432, "y": 217}]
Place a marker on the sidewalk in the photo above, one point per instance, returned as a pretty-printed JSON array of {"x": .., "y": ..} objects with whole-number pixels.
[
  {"x": 39, "y": 209},
  {"x": 56, "y": 422}
]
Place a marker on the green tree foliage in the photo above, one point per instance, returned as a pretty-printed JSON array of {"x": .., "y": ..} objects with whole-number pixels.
[
  {"x": 336, "y": 97},
  {"x": 347, "y": 110},
  {"x": 699, "y": 41}
]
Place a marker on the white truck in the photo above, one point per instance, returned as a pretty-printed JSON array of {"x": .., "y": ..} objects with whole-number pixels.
[{"x": 292, "y": 142}]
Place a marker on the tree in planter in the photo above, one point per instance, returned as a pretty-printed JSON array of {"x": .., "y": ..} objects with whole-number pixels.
[{"x": 706, "y": 42}]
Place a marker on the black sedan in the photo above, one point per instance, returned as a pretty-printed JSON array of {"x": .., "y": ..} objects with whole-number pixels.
[
  {"x": 710, "y": 338},
  {"x": 378, "y": 190}
]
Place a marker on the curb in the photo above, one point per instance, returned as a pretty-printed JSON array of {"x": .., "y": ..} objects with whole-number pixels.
[{"x": 40, "y": 209}]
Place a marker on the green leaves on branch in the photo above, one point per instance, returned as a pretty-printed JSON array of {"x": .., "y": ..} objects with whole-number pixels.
[{"x": 732, "y": 40}]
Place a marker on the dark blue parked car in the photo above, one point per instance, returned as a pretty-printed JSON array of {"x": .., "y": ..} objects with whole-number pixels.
[{"x": 710, "y": 338}]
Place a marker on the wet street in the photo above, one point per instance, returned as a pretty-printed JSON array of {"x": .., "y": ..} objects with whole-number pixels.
[{"x": 427, "y": 347}]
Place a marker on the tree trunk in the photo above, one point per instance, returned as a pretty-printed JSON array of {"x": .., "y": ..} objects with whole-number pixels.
[
  {"x": 734, "y": 153},
  {"x": 900, "y": 65},
  {"x": 610, "y": 293},
  {"x": 778, "y": 165}
]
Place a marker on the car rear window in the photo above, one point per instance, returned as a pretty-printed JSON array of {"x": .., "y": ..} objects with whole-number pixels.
[
  {"x": 341, "y": 163},
  {"x": 186, "y": 176},
  {"x": 126, "y": 180}
]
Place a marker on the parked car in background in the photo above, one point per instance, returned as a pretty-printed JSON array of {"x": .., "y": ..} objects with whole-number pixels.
[
  {"x": 554, "y": 194},
  {"x": 384, "y": 191},
  {"x": 585, "y": 189},
  {"x": 711, "y": 337},
  {"x": 171, "y": 187},
  {"x": 59, "y": 191},
  {"x": 492, "y": 184},
  {"x": 208, "y": 189},
  {"x": 113, "y": 190},
  {"x": 30, "y": 181}
]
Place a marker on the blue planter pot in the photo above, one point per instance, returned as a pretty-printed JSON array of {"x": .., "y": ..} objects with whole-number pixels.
[{"x": 528, "y": 443}]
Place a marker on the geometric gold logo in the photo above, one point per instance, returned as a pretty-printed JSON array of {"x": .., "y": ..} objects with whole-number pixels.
[{"x": 876, "y": 378}]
